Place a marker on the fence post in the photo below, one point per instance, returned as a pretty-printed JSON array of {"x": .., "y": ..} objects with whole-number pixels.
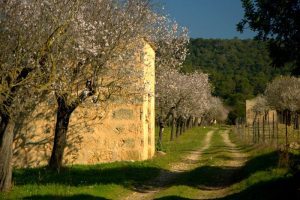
[
  {"x": 273, "y": 128},
  {"x": 269, "y": 131},
  {"x": 253, "y": 132},
  {"x": 263, "y": 129},
  {"x": 277, "y": 134},
  {"x": 258, "y": 132}
]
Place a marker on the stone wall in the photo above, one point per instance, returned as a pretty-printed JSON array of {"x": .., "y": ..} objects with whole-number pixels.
[{"x": 122, "y": 130}]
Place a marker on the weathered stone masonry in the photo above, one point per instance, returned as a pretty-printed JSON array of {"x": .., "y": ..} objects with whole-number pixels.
[{"x": 124, "y": 132}]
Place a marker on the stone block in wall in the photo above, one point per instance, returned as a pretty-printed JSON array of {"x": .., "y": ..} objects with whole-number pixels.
[{"x": 123, "y": 114}]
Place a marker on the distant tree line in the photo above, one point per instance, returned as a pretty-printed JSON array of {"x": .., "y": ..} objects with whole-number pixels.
[{"x": 238, "y": 69}]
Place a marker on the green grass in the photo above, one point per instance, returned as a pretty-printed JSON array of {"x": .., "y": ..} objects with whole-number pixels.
[
  {"x": 260, "y": 178},
  {"x": 205, "y": 175},
  {"x": 102, "y": 181},
  {"x": 175, "y": 150}
]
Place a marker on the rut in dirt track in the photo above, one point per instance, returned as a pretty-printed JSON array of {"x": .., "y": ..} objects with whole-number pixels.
[{"x": 166, "y": 178}]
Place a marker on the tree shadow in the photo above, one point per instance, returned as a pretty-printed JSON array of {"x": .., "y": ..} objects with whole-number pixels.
[
  {"x": 276, "y": 189},
  {"x": 124, "y": 174},
  {"x": 280, "y": 188},
  {"x": 207, "y": 177},
  {"x": 212, "y": 178},
  {"x": 139, "y": 177},
  {"x": 56, "y": 197},
  {"x": 130, "y": 173}
]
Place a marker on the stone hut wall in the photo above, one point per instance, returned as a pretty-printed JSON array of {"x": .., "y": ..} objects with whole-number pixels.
[{"x": 124, "y": 130}]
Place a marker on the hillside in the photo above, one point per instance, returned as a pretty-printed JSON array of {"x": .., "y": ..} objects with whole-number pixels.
[{"x": 238, "y": 69}]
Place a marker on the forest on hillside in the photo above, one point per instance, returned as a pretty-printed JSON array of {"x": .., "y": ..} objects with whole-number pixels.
[{"x": 238, "y": 69}]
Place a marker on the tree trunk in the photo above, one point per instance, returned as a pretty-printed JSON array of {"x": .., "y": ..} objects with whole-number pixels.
[
  {"x": 64, "y": 112},
  {"x": 184, "y": 125},
  {"x": 178, "y": 127},
  {"x": 181, "y": 126},
  {"x": 160, "y": 135},
  {"x": 173, "y": 128},
  {"x": 6, "y": 156},
  {"x": 3, "y": 124},
  {"x": 60, "y": 137},
  {"x": 189, "y": 121},
  {"x": 296, "y": 124},
  {"x": 195, "y": 122}
]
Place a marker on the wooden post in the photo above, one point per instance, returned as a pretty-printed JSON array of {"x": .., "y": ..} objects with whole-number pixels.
[
  {"x": 269, "y": 127},
  {"x": 286, "y": 131},
  {"x": 253, "y": 132},
  {"x": 258, "y": 132},
  {"x": 273, "y": 127},
  {"x": 263, "y": 129},
  {"x": 277, "y": 133}
]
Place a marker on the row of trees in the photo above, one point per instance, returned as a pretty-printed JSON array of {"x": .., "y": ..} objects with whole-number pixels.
[
  {"x": 65, "y": 48},
  {"x": 185, "y": 100}
]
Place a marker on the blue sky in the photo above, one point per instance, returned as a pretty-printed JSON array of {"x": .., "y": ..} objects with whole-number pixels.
[{"x": 208, "y": 18}]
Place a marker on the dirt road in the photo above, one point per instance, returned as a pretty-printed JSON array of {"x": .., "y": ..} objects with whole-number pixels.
[{"x": 217, "y": 168}]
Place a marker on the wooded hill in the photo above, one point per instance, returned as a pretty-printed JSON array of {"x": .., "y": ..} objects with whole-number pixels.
[{"x": 238, "y": 69}]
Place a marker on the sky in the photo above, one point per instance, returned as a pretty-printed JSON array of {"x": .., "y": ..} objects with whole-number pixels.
[{"x": 208, "y": 18}]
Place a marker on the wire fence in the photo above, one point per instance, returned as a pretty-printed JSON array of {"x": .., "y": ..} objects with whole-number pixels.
[{"x": 268, "y": 133}]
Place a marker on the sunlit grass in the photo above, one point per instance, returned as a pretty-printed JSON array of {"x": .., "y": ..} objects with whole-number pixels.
[
  {"x": 102, "y": 181},
  {"x": 259, "y": 178}
]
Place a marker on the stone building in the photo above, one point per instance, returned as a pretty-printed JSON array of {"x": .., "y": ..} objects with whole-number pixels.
[{"x": 124, "y": 131}]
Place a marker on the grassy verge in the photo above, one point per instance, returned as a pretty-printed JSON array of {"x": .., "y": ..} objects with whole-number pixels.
[
  {"x": 103, "y": 181},
  {"x": 259, "y": 178}
]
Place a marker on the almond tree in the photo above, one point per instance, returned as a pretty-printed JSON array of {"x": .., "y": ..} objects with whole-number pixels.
[
  {"x": 180, "y": 96},
  {"x": 198, "y": 95},
  {"x": 216, "y": 110},
  {"x": 167, "y": 97},
  {"x": 64, "y": 46},
  {"x": 28, "y": 36},
  {"x": 283, "y": 94},
  {"x": 106, "y": 35},
  {"x": 170, "y": 54},
  {"x": 261, "y": 106}
]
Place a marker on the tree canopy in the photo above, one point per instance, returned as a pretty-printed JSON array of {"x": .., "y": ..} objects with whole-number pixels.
[{"x": 278, "y": 23}]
